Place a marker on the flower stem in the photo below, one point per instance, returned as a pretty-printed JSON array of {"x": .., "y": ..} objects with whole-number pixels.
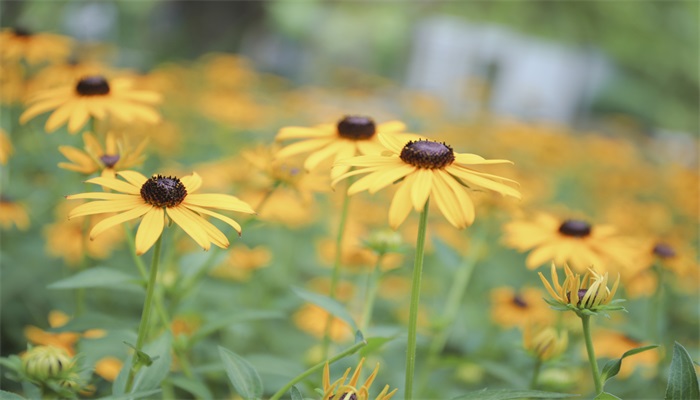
[
  {"x": 535, "y": 374},
  {"x": 335, "y": 275},
  {"x": 349, "y": 351},
  {"x": 145, "y": 315},
  {"x": 586, "y": 319},
  {"x": 371, "y": 292},
  {"x": 415, "y": 300}
]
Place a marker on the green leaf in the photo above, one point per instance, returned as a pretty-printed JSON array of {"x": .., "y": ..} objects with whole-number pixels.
[
  {"x": 147, "y": 377},
  {"x": 133, "y": 395},
  {"x": 682, "y": 380},
  {"x": 98, "y": 277},
  {"x": 330, "y": 305},
  {"x": 11, "y": 396},
  {"x": 228, "y": 319},
  {"x": 606, "y": 396},
  {"x": 506, "y": 394},
  {"x": 446, "y": 254},
  {"x": 374, "y": 344},
  {"x": 295, "y": 393},
  {"x": 612, "y": 367},
  {"x": 242, "y": 374},
  {"x": 191, "y": 385}
]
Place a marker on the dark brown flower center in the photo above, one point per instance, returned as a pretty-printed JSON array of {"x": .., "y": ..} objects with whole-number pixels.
[
  {"x": 427, "y": 154},
  {"x": 575, "y": 228},
  {"x": 356, "y": 127},
  {"x": 519, "y": 301},
  {"x": 92, "y": 86},
  {"x": 664, "y": 250},
  {"x": 344, "y": 396},
  {"x": 109, "y": 160},
  {"x": 162, "y": 191},
  {"x": 22, "y": 32}
]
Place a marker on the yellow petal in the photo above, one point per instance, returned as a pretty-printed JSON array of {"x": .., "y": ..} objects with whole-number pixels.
[
  {"x": 106, "y": 206},
  {"x": 60, "y": 116},
  {"x": 192, "y": 182},
  {"x": 224, "y": 218},
  {"x": 421, "y": 187},
  {"x": 118, "y": 219},
  {"x": 190, "y": 226},
  {"x": 220, "y": 201},
  {"x": 103, "y": 196},
  {"x": 447, "y": 204},
  {"x": 133, "y": 177},
  {"x": 391, "y": 127},
  {"x": 78, "y": 117},
  {"x": 302, "y": 147},
  {"x": 116, "y": 184},
  {"x": 150, "y": 229},
  {"x": 299, "y": 132},
  {"x": 400, "y": 204},
  {"x": 215, "y": 235}
]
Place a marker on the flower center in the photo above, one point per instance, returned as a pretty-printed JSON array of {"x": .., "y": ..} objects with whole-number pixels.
[
  {"x": 92, "y": 86},
  {"x": 22, "y": 32},
  {"x": 109, "y": 160},
  {"x": 356, "y": 128},
  {"x": 345, "y": 396},
  {"x": 427, "y": 154},
  {"x": 519, "y": 301},
  {"x": 162, "y": 191},
  {"x": 664, "y": 250},
  {"x": 575, "y": 228}
]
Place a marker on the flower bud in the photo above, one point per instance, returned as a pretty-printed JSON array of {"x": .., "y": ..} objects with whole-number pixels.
[
  {"x": 384, "y": 241},
  {"x": 43, "y": 363}
]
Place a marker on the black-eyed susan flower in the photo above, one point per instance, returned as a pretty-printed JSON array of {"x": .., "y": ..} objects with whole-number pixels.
[
  {"x": 512, "y": 308},
  {"x": 13, "y": 213},
  {"x": 92, "y": 96},
  {"x": 115, "y": 155},
  {"x": 342, "y": 390},
  {"x": 154, "y": 198},
  {"x": 544, "y": 343},
  {"x": 351, "y": 136},
  {"x": 18, "y": 44},
  {"x": 587, "y": 295},
  {"x": 568, "y": 241},
  {"x": 425, "y": 169}
]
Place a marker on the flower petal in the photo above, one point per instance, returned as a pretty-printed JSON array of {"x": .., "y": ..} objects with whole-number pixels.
[
  {"x": 150, "y": 229},
  {"x": 224, "y": 218},
  {"x": 401, "y": 203},
  {"x": 107, "y": 206},
  {"x": 118, "y": 219},
  {"x": 220, "y": 201},
  {"x": 191, "y": 226},
  {"x": 116, "y": 184},
  {"x": 133, "y": 177},
  {"x": 421, "y": 187},
  {"x": 192, "y": 182}
]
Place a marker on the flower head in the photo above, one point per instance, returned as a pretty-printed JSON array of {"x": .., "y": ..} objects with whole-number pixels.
[
  {"x": 517, "y": 308},
  {"x": 18, "y": 44},
  {"x": 351, "y": 136},
  {"x": 544, "y": 343},
  {"x": 45, "y": 363},
  {"x": 340, "y": 390},
  {"x": 425, "y": 169},
  {"x": 585, "y": 296},
  {"x": 154, "y": 198},
  {"x": 92, "y": 96},
  {"x": 114, "y": 156}
]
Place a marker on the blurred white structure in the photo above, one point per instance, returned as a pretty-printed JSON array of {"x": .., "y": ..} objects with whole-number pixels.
[{"x": 529, "y": 78}]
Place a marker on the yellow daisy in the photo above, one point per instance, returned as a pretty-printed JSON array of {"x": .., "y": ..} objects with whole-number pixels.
[
  {"x": 569, "y": 241},
  {"x": 20, "y": 44},
  {"x": 425, "y": 168},
  {"x": 92, "y": 96},
  {"x": 351, "y": 136},
  {"x": 340, "y": 390},
  {"x": 115, "y": 155},
  {"x": 518, "y": 308},
  {"x": 588, "y": 293},
  {"x": 153, "y": 198}
]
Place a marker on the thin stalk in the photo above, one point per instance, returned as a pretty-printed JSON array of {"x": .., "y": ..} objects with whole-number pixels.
[
  {"x": 415, "y": 300},
  {"x": 657, "y": 323},
  {"x": 335, "y": 275},
  {"x": 349, "y": 351},
  {"x": 145, "y": 315},
  {"x": 535, "y": 374},
  {"x": 586, "y": 319},
  {"x": 372, "y": 286}
]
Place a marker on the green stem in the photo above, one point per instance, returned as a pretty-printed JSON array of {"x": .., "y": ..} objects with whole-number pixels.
[
  {"x": 335, "y": 275},
  {"x": 535, "y": 374},
  {"x": 349, "y": 351},
  {"x": 415, "y": 300},
  {"x": 145, "y": 315},
  {"x": 372, "y": 288},
  {"x": 586, "y": 319},
  {"x": 657, "y": 323}
]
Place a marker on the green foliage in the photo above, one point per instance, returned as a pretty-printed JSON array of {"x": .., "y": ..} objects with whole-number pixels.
[
  {"x": 99, "y": 277},
  {"x": 612, "y": 367},
  {"x": 330, "y": 305},
  {"x": 682, "y": 379},
  {"x": 507, "y": 394},
  {"x": 242, "y": 374}
]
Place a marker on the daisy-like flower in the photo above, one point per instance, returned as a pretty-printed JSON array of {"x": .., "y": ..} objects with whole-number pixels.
[
  {"x": 425, "y": 169},
  {"x": 20, "y": 44},
  {"x": 571, "y": 241},
  {"x": 585, "y": 296},
  {"x": 153, "y": 198},
  {"x": 115, "y": 155},
  {"x": 351, "y": 136},
  {"x": 92, "y": 96},
  {"x": 518, "y": 308},
  {"x": 340, "y": 390}
]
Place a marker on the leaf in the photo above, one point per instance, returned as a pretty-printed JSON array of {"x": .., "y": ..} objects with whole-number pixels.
[
  {"x": 606, "y": 396},
  {"x": 223, "y": 321},
  {"x": 91, "y": 321},
  {"x": 98, "y": 277},
  {"x": 134, "y": 395},
  {"x": 374, "y": 344},
  {"x": 147, "y": 377},
  {"x": 242, "y": 374},
  {"x": 506, "y": 394},
  {"x": 11, "y": 396},
  {"x": 330, "y": 305},
  {"x": 612, "y": 367},
  {"x": 446, "y": 254},
  {"x": 682, "y": 380},
  {"x": 295, "y": 393},
  {"x": 191, "y": 385}
]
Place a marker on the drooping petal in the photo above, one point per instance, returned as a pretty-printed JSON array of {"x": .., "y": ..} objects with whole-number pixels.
[
  {"x": 78, "y": 117},
  {"x": 191, "y": 226},
  {"x": 106, "y": 206},
  {"x": 118, "y": 219},
  {"x": 421, "y": 187},
  {"x": 150, "y": 229},
  {"x": 40, "y": 108},
  {"x": 59, "y": 117},
  {"x": 104, "y": 196},
  {"x": 220, "y": 201},
  {"x": 447, "y": 203},
  {"x": 235, "y": 225},
  {"x": 116, "y": 184},
  {"x": 464, "y": 201},
  {"x": 401, "y": 203}
]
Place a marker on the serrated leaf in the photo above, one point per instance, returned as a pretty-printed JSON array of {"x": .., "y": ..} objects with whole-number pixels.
[
  {"x": 295, "y": 393},
  {"x": 682, "y": 380},
  {"x": 330, "y": 305},
  {"x": 507, "y": 394},
  {"x": 98, "y": 277},
  {"x": 243, "y": 376},
  {"x": 191, "y": 385},
  {"x": 9, "y": 396},
  {"x": 612, "y": 367},
  {"x": 606, "y": 396}
]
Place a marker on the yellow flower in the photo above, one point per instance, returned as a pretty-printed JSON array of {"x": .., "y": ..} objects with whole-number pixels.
[
  {"x": 18, "y": 44},
  {"x": 13, "y": 213},
  {"x": 114, "y": 156},
  {"x": 153, "y": 198},
  {"x": 544, "y": 343},
  {"x": 584, "y": 296},
  {"x": 351, "y": 136},
  {"x": 425, "y": 168},
  {"x": 5, "y": 147},
  {"x": 510, "y": 308},
  {"x": 574, "y": 242},
  {"x": 92, "y": 96},
  {"x": 242, "y": 261},
  {"x": 340, "y": 390}
]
